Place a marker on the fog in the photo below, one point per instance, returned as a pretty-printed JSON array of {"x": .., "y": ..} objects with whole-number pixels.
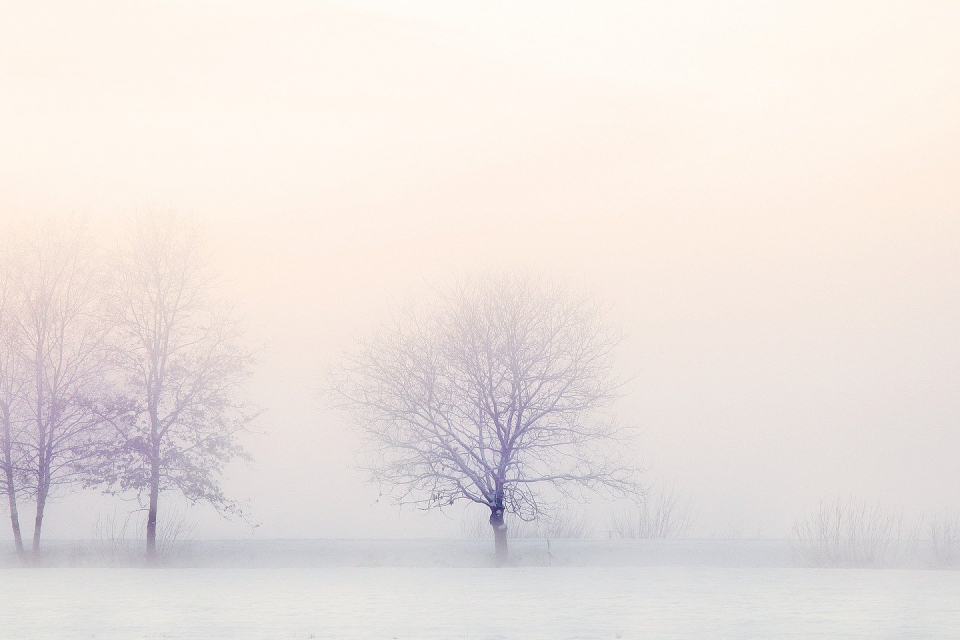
[{"x": 764, "y": 195}]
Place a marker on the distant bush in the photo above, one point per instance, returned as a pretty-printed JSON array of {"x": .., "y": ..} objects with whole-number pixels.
[
  {"x": 561, "y": 524},
  {"x": 117, "y": 541},
  {"x": 664, "y": 515},
  {"x": 851, "y": 533},
  {"x": 557, "y": 525},
  {"x": 944, "y": 541}
]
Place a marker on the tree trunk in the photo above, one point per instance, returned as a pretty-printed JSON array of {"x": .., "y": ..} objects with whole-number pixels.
[
  {"x": 43, "y": 461},
  {"x": 38, "y": 521},
  {"x": 152, "y": 513},
  {"x": 15, "y": 520},
  {"x": 499, "y": 536},
  {"x": 14, "y": 514},
  {"x": 9, "y": 482},
  {"x": 12, "y": 495}
]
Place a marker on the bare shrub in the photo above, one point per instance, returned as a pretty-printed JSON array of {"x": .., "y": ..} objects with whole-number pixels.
[
  {"x": 474, "y": 524},
  {"x": 664, "y": 515},
  {"x": 118, "y": 541},
  {"x": 112, "y": 538},
  {"x": 564, "y": 524},
  {"x": 851, "y": 533},
  {"x": 944, "y": 540},
  {"x": 174, "y": 534},
  {"x": 558, "y": 525}
]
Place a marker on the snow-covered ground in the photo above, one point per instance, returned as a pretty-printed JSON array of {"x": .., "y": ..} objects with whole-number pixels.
[
  {"x": 462, "y": 553},
  {"x": 525, "y": 603},
  {"x": 418, "y": 589}
]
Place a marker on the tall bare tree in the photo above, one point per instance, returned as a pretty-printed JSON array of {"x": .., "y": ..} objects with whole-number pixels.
[
  {"x": 61, "y": 340},
  {"x": 12, "y": 385},
  {"x": 181, "y": 358},
  {"x": 495, "y": 395}
]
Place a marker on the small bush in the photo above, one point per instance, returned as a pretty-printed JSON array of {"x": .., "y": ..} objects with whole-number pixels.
[
  {"x": 944, "y": 541},
  {"x": 851, "y": 533},
  {"x": 557, "y": 525},
  {"x": 561, "y": 524},
  {"x": 665, "y": 515},
  {"x": 123, "y": 542}
]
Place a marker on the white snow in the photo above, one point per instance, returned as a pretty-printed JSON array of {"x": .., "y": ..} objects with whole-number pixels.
[
  {"x": 463, "y": 553},
  {"x": 523, "y": 603}
]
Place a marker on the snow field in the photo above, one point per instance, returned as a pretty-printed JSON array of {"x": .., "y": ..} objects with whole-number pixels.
[{"x": 526, "y": 603}]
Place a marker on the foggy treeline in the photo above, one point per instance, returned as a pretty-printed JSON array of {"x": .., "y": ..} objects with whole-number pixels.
[
  {"x": 122, "y": 370},
  {"x": 119, "y": 370}
]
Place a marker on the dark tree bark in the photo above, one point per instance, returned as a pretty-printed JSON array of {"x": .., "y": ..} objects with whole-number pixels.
[{"x": 499, "y": 536}]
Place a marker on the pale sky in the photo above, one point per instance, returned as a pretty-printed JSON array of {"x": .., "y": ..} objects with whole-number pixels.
[{"x": 766, "y": 194}]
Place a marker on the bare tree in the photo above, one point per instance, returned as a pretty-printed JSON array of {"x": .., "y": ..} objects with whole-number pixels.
[
  {"x": 180, "y": 356},
  {"x": 61, "y": 339},
  {"x": 11, "y": 390},
  {"x": 495, "y": 395}
]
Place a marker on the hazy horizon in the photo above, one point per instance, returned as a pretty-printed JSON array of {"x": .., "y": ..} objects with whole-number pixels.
[{"x": 766, "y": 196}]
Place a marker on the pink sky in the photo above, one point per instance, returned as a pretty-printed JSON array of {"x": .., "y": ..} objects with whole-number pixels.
[{"x": 767, "y": 195}]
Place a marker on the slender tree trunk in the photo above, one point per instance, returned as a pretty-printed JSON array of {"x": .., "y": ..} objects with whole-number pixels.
[
  {"x": 11, "y": 489},
  {"x": 43, "y": 471},
  {"x": 499, "y": 536},
  {"x": 152, "y": 511},
  {"x": 38, "y": 521},
  {"x": 9, "y": 481},
  {"x": 14, "y": 513}
]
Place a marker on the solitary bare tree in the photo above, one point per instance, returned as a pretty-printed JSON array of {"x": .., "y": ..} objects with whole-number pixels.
[
  {"x": 495, "y": 395},
  {"x": 61, "y": 337},
  {"x": 180, "y": 357}
]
